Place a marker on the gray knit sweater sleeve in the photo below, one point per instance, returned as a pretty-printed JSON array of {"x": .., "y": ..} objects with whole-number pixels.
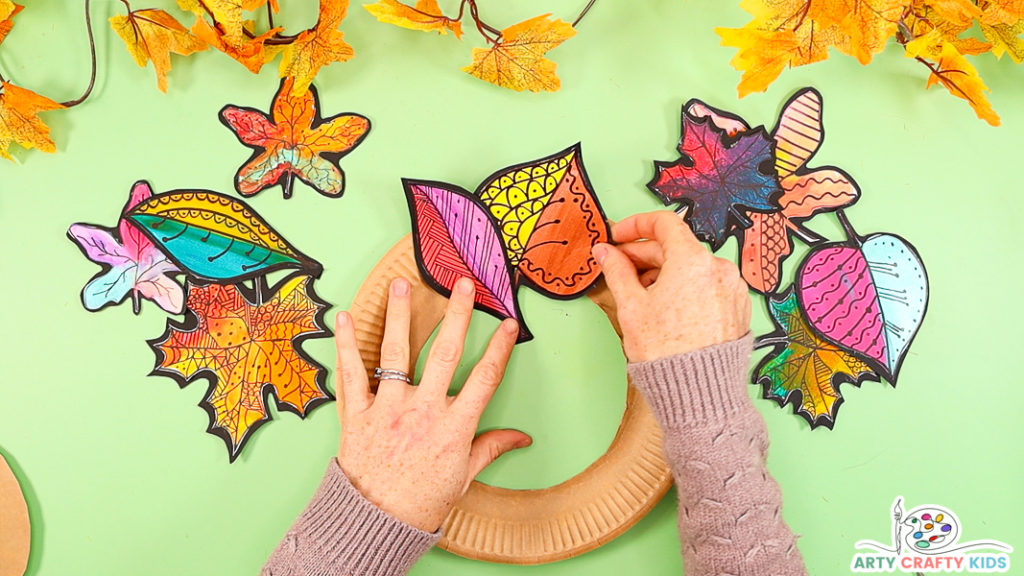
[
  {"x": 715, "y": 442},
  {"x": 341, "y": 533}
]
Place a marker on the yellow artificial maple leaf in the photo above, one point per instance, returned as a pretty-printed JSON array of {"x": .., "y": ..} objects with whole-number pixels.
[
  {"x": 426, "y": 16},
  {"x": 247, "y": 350},
  {"x": 322, "y": 45},
  {"x": 19, "y": 120},
  {"x": 957, "y": 75},
  {"x": 7, "y": 11},
  {"x": 930, "y": 23},
  {"x": 517, "y": 60},
  {"x": 232, "y": 34},
  {"x": 153, "y": 35},
  {"x": 996, "y": 12},
  {"x": 1005, "y": 39},
  {"x": 786, "y": 33}
]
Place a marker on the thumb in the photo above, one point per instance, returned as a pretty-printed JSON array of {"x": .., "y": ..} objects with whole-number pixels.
[
  {"x": 619, "y": 273},
  {"x": 487, "y": 447}
]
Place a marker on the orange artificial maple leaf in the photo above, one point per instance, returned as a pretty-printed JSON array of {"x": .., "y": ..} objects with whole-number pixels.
[
  {"x": 19, "y": 120},
  {"x": 517, "y": 60},
  {"x": 997, "y": 12},
  {"x": 958, "y": 76},
  {"x": 426, "y": 16},
  {"x": 1002, "y": 23},
  {"x": 247, "y": 351},
  {"x": 322, "y": 45},
  {"x": 230, "y": 32},
  {"x": 786, "y": 33},
  {"x": 930, "y": 23},
  {"x": 153, "y": 35},
  {"x": 7, "y": 11},
  {"x": 293, "y": 141}
]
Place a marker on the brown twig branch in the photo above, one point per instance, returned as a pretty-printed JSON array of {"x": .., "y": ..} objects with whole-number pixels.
[
  {"x": 583, "y": 13},
  {"x": 92, "y": 55}
]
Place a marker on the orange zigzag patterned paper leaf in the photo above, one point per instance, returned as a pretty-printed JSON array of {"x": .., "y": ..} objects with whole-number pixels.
[
  {"x": 517, "y": 61},
  {"x": 247, "y": 351},
  {"x": 426, "y": 16},
  {"x": 806, "y": 192},
  {"x": 19, "y": 119}
]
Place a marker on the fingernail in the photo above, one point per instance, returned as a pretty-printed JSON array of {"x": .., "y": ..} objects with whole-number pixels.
[
  {"x": 342, "y": 319},
  {"x": 399, "y": 287},
  {"x": 524, "y": 442},
  {"x": 464, "y": 286},
  {"x": 600, "y": 252},
  {"x": 510, "y": 326}
]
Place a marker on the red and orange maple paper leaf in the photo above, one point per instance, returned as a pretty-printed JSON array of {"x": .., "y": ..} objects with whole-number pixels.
[
  {"x": 247, "y": 351},
  {"x": 294, "y": 141}
]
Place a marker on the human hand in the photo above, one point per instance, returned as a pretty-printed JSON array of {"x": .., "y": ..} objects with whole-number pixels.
[
  {"x": 672, "y": 295},
  {"x": 411, "y": 449}
]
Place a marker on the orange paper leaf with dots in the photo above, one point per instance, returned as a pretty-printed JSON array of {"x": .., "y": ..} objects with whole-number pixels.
[
  {"x": 247, "y": 351},
  {"x": 322, "y": 45},
  {"x": 20, "y": 122},
  {"x": 426, "y": 16},
  {"x": 153, "y": 35},
  {"x": 785, "y": 33},
  {"x": 518, "y": 60},
  {"x": 7, "y": 11}
]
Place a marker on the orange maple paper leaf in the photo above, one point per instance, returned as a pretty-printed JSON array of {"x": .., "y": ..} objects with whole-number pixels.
[
  {"x": 7, "y": 11},
  {"x": 958, "y": 76},
  {"x": 153, "y": 35},
  {"x": 426, "y": 16},
  {"x": 19, "y": 120},
  {"x": 517, "y": 61},
  {"x": 247, "y": 351},
  {"x": 294, "y": 141},
  {"x": 322, "y": 45}
]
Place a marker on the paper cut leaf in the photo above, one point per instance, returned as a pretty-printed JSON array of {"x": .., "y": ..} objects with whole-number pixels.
[
  {"x": 718, "y": 177},
  {"x": 7, "y": 11},
  {"x": 518, "y": 60},
  {"x": 803, "y": 368},
  {"x": 868, "y": 295},
  {"x": 317, "y": 47},
  {"x": 294, "y": 141},
  {"x": 16, "y": 529},
  {"x": 19, "y": 120},
  {"x": 247, "y": 351},
  {"x": 131, "y": 263},
  {"x": 550, "y": 219},
  {"x": 215, "y": 237},
  {"x": 425, "y": 16},
  {"x": 153, "y": 35},
  {"x": 805, "y": 192},
  {"x": 455, "y": 237}
]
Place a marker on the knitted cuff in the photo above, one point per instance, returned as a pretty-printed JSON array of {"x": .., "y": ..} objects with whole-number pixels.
[
  {"x": 698, "y": 387},
  {"x": 343, "y": 533}
]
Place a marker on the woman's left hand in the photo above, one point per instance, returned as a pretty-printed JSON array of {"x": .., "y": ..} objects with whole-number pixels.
[{"x": 413, "y": 450}]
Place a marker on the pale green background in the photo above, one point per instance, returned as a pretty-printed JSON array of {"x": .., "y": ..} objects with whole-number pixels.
[{"x": 120, "y": 476}]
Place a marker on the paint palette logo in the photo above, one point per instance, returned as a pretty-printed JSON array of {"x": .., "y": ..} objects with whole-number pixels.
[
  {"x": 927, "y": 539},
  {"x": 931, "y": 529}
]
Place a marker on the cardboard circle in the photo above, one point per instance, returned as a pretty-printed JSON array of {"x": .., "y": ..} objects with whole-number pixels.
[
  {"x": 15, "y": 531},
  {"x": 529, "y": 526}
]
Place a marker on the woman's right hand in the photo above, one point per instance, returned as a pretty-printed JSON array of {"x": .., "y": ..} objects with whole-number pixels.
[{"x": 672, "y": 295}]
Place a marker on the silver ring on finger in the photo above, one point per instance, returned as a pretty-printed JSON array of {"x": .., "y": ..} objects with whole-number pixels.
[{"x": 389, "y": 374}]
